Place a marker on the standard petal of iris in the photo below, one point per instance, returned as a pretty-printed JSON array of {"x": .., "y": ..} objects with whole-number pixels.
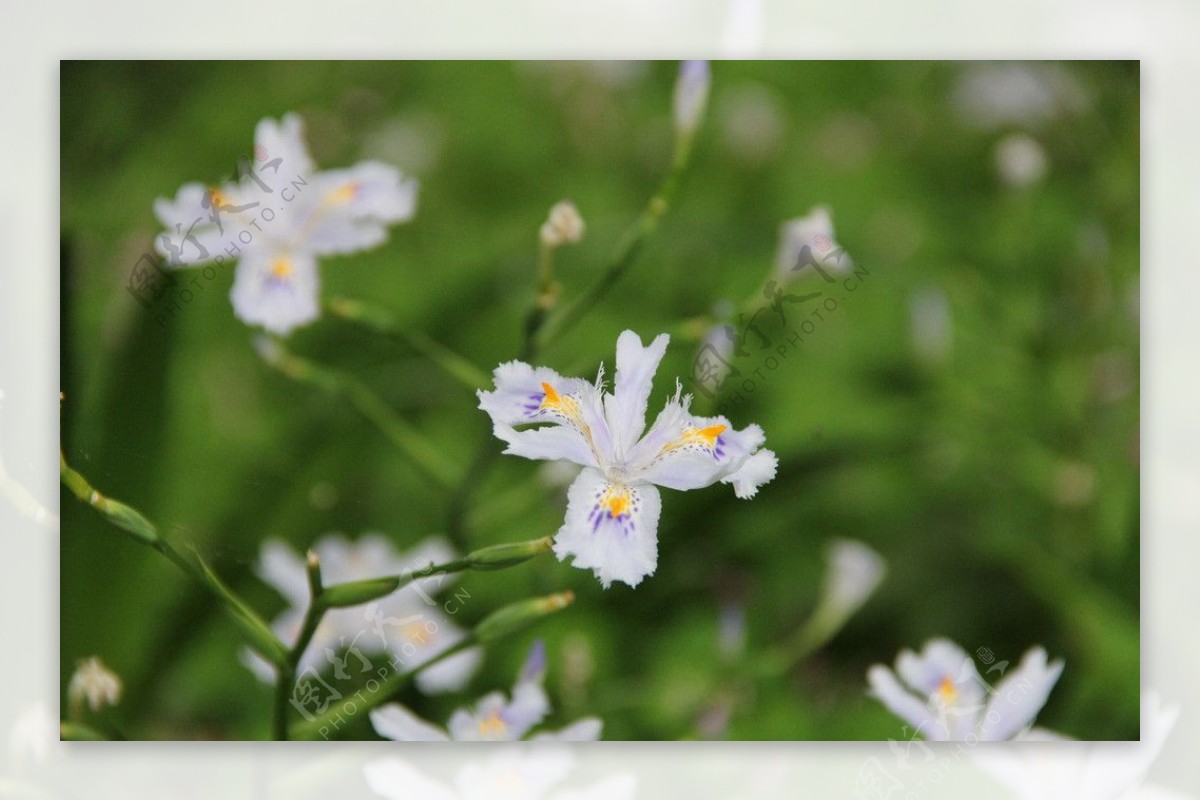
[
  {"x": 611, "y": 529},
  {"x": 528, "y": 707},
  {"x": 941, "y": 665},
  {"x": 278, "y": 291},
  {"x": 396, "y": 722},
  {"x": 1020, "y": 696},
  {"x": 626, "y": 408},
  {"x": 902, "y": 703},
  {"x": 567, "y": 411},
  {"x": 283, "y": 140}
]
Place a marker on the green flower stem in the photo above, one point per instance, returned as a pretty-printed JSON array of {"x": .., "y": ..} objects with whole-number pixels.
[
  {"x": 502, "y": 623},
  {"x": 383, "y": 322},
  {"x": 629, "y": 249},
  {"x": 546, "y": 297},
  {"x": 493, "y": 557},
  {"x": 816, "y": 631},
  {"x": 123, "y": 517},
  {"x": 423, "y": 455},
  {"x": 540, "y": 329},
  {"x": 253, "y": 628}
]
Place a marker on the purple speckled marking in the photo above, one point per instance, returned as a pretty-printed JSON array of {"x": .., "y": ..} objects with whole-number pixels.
[
  {"x": 624, "y": 520},
  {"x": 532, "y": 408}
]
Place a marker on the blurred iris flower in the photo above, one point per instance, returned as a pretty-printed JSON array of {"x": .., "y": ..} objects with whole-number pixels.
[
  {"x": 277, "y": 218},
  {"x": 407, "y": 624},
  {"x": 494, "y": 717},
  {"x": 948, "y": 700}
]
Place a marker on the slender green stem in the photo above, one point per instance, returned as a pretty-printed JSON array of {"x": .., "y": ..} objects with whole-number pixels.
[
  {"x": 421, "y": 453},
  {"x": 256, "y": 632},
  {"x": 803, "y": 643},
  {"x": 283, "y": 688},
  {"x": 628, "y": 250},
  {"x": 544, "y": 299},
  {"x": 383, "y": 322},
  {"x": 493, "y": 557}
]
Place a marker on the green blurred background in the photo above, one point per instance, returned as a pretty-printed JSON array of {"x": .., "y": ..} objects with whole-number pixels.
[{"x": 970, "y": 412}]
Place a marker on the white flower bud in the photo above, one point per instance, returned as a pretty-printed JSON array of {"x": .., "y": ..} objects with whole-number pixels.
[
  {"x": 808, "y": 241},
  {"x": 563, "y": 225},
  {"x": 691, "y": 95},
  {"x": 853, "y": 572},
  {"x": 94, "y": 683}
]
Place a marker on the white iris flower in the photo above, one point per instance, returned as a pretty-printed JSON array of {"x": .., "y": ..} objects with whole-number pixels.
[
  {"x": 407, "y": 624},
  {"x": 613, "y": 506},
  {"x": 494, "y": 717},
  {"x": 277, "y": 219},
  {"x": 948, "y": 700}
]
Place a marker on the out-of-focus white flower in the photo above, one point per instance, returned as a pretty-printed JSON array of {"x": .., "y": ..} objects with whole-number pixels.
[
  {"x": 731, "y": 630},
  {"x": 713, "y": 362},
  {"x": 94, "y": 683},
  {"x": 277, "y": 218},
  {"x": 994, "y": 95},
  {"x": 853, "y": 571},
  {"x": 1020, "y": 160},
  {"x": 514, "y": 771},
  {"x": 930, "y": 324},
  {"x": 947, "y": 700},
  {"x": 563, "y": 225},
  {"x": 808, "y": 241},
  {"x": 613, "y": 507},
  {"x": 495, "y": 716},
  {"x": 407, "y": 624},
  {"x": 691, "y": 95},
  {"x": 1049, "y": 766},
  {"x": 752, "y": 123}
]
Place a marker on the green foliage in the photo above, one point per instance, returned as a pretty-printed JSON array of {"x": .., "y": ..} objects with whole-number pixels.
[{"x": 999, "y": 479}]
